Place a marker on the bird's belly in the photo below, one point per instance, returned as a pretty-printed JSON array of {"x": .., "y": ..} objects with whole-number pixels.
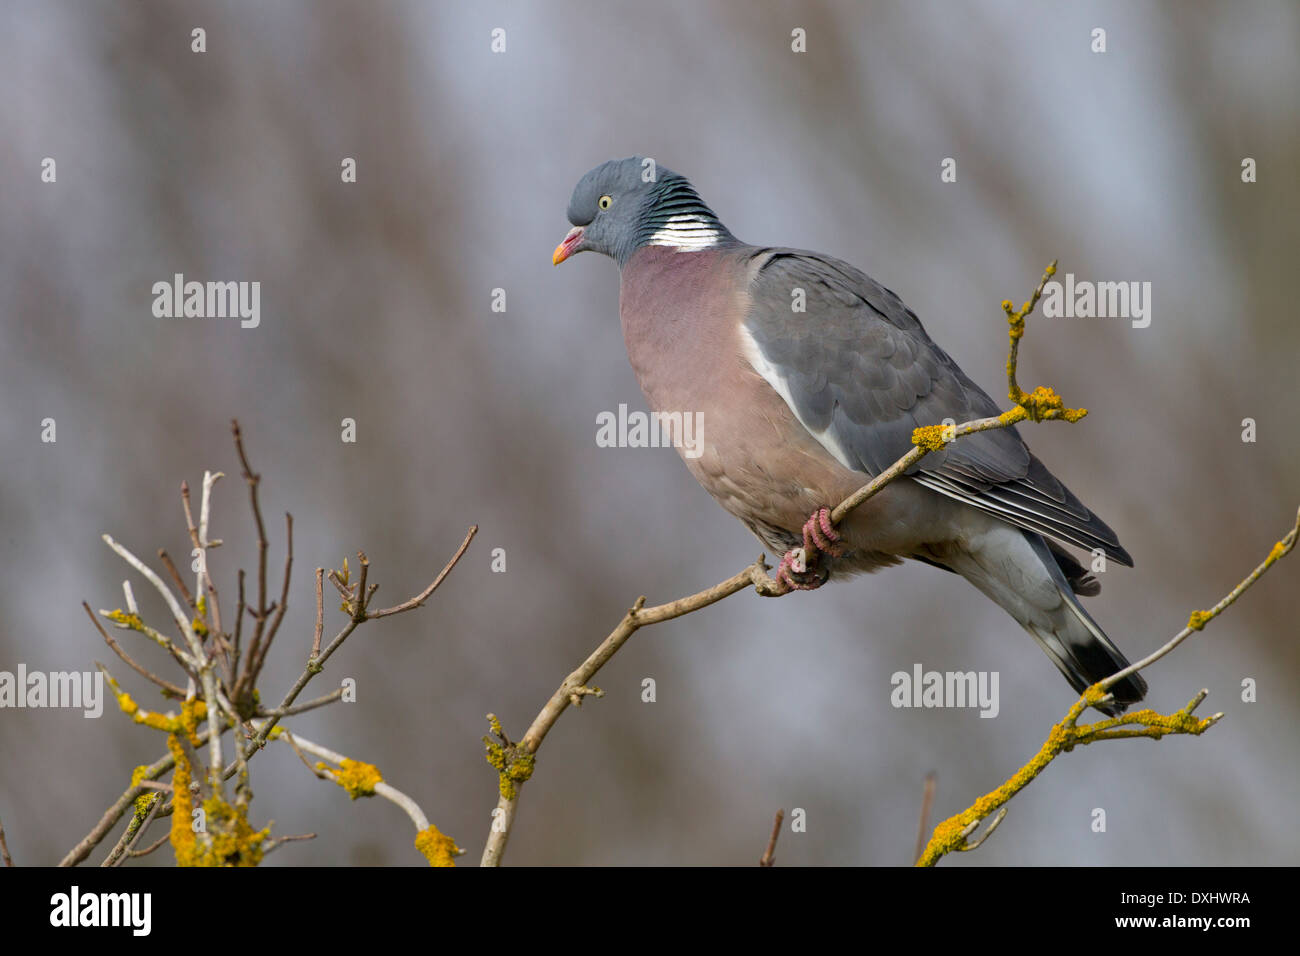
[{"x": 747, "y": 449}]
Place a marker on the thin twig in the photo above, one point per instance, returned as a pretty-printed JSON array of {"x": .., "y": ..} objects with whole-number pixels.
[
  {"x": 316, "y": 662},
  {"x": 1199, "y": 619},
  {"x": 166, "y": 559},
  {"x": 239, "y": 623},
  {"x": 280, "y": 608},
  {"x": 278, "y": 842},
  {"x": 320, "y": 612},
  {"x": 424, "y": 595},
  {"x": 156, "y": 844},
  {"x": 168, "y": 688},
  {"x": 927, "y": 801},
  {"x": 251, "y": 478},
  {"x": 302, "y": 708},
  {"x": 637, "y": 617},
  {"x": 769, "y": 855},
  {"x": 1002, "y": 815}
]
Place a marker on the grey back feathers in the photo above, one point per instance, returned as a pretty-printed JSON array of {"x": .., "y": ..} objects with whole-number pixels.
[{"x": 861, "y": 374}]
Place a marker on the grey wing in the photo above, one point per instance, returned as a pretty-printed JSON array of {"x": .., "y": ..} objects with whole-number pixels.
[{"x": 860, "y": 373}]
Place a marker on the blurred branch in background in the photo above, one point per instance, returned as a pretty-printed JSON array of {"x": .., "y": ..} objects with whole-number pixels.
[
  {"x": 769, "y": 855},
  {"x": 515, "y": 762},
  {"x": 215, "y": 659}
]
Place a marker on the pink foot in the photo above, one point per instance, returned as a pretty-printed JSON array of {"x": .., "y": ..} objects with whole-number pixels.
[
  {"x": 820, "y": 535},
  {"x": 802, "y": 569}
]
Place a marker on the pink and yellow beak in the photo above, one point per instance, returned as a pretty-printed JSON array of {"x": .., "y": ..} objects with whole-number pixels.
[{"x": 568, "y": 247}]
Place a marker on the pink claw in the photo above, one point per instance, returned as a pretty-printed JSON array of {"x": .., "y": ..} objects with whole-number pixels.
[
  {"x": 820, "y": 535},
  {"x": 806, "y": 571}
]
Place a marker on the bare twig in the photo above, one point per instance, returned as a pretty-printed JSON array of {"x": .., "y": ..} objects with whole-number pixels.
[
  {"x": 769, "y": 855},
  {"x": 302, "y": 708},
  {"x": 927, "y": 801},
  {"x": 239, "y": 622},
  {"x": 156, "y": 844},
  {"x": 255, "y": 667},
  {"x": 320, "y": 612},
  {"x": 166, "y": 559},
  {"x": 251, "y": 478},
  {"x": 168, "y": 688},
  {"x": 424, "y": 595},
  {"x": 1002, "y": 815},
  {"x": 316, "y": 663},
  {"x": 1199, "y": 619},
  {"x": 278, "y": 842}
]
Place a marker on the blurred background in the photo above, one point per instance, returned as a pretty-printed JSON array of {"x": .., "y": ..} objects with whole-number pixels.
[{"x": 376, "y": 305}]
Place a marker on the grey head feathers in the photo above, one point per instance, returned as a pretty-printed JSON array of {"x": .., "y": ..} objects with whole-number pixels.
[{"x": 625, "y": 204}]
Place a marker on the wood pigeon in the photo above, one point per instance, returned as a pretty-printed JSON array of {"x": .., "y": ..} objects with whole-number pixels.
[{"x": 808, "y": 377}]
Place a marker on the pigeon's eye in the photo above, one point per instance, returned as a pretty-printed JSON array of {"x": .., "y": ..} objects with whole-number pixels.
[{"x": 605, "y": 202}]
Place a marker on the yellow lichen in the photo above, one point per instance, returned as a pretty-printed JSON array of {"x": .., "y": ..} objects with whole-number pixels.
[
  {"x": 1199, "y": 619},
  {"x": 157, "y": 721},
  {"x": 234, "y": 842},
  {"x": 357, "y": 778},
  {"x": 1044, "y": 404},
  {"x": 929, "y": 437},
  {"x": 438, "y": 848},
  {"x": 512, "y": 765},
  {"x": 182, "y": 838},
  {"x": 193, "y": 712},
  {"x": 227, "y": 838},
  {"x": 132, "y": 621},
  {"x": 143, "y": 801}
]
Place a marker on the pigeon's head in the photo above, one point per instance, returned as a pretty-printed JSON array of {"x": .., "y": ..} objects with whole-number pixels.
[{"x": 624, "y": 204}]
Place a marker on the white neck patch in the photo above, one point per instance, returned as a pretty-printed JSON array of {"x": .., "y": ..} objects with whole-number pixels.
[{"x": 689, "y": 233}]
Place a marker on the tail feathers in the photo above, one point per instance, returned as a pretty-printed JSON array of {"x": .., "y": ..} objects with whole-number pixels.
[
  {"x": 1086, "y": 655},
  {"x": 1029, "y": 584},
  {"x": 1077, "y": 645}
]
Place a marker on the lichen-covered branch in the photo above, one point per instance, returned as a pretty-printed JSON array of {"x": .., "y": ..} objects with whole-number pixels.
[
  {"x": 361, "y": 779},
  {"x": 222, "y": 691},
  {"x": 953, "y": 834}
]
